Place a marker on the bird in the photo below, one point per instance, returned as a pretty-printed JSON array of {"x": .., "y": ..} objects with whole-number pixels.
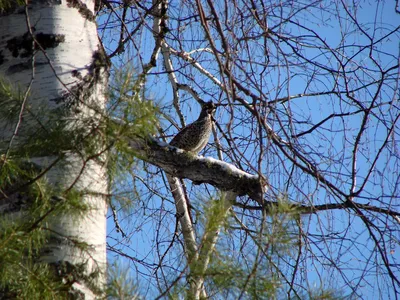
[{"x": 194, "y": 137}]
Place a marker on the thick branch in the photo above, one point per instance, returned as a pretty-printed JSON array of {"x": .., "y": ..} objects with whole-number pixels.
[
  {"x": 182, "y": 164},
  {"x": 182, "y": 210}
]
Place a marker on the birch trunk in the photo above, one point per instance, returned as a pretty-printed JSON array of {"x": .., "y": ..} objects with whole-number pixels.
[{"x": 51, "y": 49}]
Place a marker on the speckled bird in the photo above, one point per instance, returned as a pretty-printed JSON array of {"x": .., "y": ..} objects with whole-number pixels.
[{"x": 194, "y": 137}]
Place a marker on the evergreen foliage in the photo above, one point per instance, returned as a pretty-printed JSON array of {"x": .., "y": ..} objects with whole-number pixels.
[{"x": 24, "y": 231}]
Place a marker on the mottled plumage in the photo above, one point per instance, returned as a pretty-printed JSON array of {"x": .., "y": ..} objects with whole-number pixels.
[{"x": 194, "y": 137}]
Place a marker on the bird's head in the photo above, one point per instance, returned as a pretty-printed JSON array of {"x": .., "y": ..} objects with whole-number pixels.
[{"x": 208, "y": 108}]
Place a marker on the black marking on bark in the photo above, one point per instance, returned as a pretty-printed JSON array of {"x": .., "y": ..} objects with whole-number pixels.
[
  {"x": 49, "y": 40},
  {"x": 22, "y": 46},
  {"x": 100, "y": 61},
  {"x": 77, "y": 74},
  {"x": 1, "y": 57},
  {"x": 82, "y": 8},
  {"x": 96, "y": 70}
]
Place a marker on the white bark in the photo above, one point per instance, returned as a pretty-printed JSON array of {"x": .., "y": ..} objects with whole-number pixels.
[
  {"x": 183, "y": 215},
  {"x": 182, "y": 164},
  {"x": 67, "y": 34}
]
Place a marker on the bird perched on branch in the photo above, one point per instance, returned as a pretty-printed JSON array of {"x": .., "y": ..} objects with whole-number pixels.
[{"x": 194, "y": 137}]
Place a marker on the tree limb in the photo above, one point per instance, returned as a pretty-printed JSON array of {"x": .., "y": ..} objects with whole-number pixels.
[{"x": 182, "y": 164}]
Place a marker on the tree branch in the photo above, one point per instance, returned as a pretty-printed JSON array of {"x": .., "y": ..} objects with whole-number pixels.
[{"x": 182, "y": 164}]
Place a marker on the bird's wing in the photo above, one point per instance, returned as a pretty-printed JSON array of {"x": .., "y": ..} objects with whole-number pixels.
[{"x": 180, "y": 136}]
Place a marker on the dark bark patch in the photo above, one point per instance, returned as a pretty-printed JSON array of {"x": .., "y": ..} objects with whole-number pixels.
[
  {"x": 1, "y": 57},
  {"x": 22, "y": 46},
  {"x": 82, "y": 8},
  {"x": 100, "y": 62},
  {"x": 77, "y": 74},
  {"x": 84, "y": 89},
  {"x": 49, "y": 40}
]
